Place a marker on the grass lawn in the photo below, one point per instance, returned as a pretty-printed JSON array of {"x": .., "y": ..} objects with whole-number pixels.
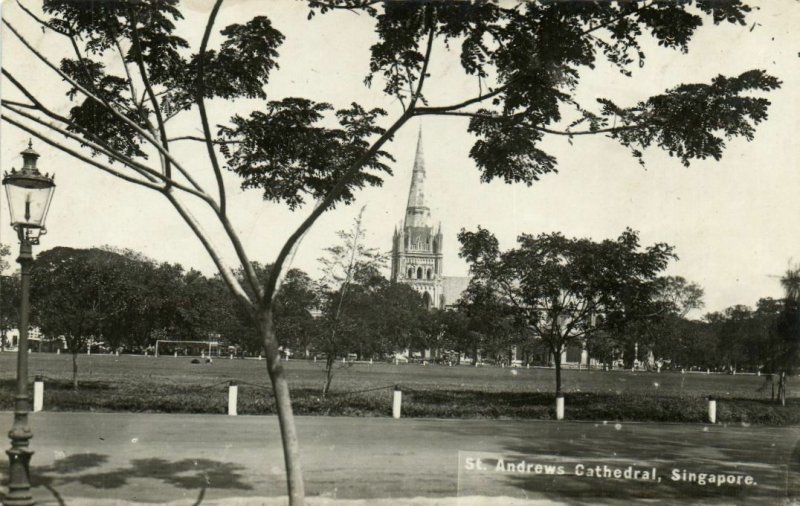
[{"x": 170, "y": 384}]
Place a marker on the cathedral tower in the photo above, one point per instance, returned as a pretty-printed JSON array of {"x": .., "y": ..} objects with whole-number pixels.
[{"x": 416, "y": 246}]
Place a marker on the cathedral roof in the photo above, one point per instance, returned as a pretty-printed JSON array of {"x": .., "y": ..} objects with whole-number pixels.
[{"x": 418, "y": 214}]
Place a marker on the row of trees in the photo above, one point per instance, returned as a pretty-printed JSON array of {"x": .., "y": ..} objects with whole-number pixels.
[{"x": 547, "y": 294}]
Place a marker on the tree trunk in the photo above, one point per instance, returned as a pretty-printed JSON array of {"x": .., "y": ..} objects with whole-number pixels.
[
  {"x": 782, "y": 389},
  {"x": 557, "y": 362},
  {"x": 283, "y": 405},
  {"x": 74, "y": 370},
  {"x": 329, "y": 359}
]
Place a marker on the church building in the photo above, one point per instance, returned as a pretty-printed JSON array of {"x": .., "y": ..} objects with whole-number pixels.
[{"x": 417, "y": 246}]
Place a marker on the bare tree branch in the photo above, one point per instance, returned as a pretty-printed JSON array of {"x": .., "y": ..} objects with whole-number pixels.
[
  {"x": 41, "y": 21},
  {"x": 149, "y": 89},
  {"x": 141, "y": 131},
  {"x": 142, "y": 169},
  {"x": 425, "y": 63},
  {"x": 201, "y": 139},
  {"x": 212, "y": 155},
  {"x": 227, "y": 275},
  {"x": 324, "y": 204},
  {"x": 48, "y": 139}
]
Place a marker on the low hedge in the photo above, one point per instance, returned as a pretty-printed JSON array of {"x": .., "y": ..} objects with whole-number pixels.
[{"x": 169, "y": 397}]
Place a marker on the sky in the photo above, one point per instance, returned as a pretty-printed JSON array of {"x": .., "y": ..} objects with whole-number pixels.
[{"x": 733, "y": 223}]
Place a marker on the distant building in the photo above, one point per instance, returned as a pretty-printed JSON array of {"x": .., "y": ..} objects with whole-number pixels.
[{"x": 417, "y": 247}]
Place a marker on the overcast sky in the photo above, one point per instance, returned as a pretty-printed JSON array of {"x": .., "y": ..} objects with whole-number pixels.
[{"x": 733, "y": 223}]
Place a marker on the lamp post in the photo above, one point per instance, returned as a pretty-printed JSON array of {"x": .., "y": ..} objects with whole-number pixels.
[{"x": 28, "y": 193}]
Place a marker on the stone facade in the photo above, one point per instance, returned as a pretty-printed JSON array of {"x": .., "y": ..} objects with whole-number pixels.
[{"x": 417, "y": 244}]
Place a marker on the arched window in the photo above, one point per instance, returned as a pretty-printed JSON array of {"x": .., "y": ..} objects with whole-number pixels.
[
  {"x": 410, "y": 272},
  {"x": 429, "y": 274},
  {"x": 419, "y": 272}
]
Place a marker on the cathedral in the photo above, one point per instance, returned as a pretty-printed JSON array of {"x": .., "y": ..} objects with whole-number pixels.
[{"x": 417, "y": 247}]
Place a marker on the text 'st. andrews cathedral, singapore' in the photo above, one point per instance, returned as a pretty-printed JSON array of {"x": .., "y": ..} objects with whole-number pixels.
[{"x": 417, "y": 247}]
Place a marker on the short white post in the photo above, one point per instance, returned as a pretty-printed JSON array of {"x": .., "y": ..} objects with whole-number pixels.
[
  {"x": 712, "y": 410},
  {"x": 58, "y": 351},
  {"x": 343, "y": 360},
  {"x": 708, "y": 371},
  {"x": 175, "y": 354},
  {"x": 116, "y": 353},
  {"x": 202, "y": 354},
  {"x": 315, "y": 358},
  {"x": 38, "y": 394},
  {"x": 395, "y": 360},
  {"x": 560, "y": 407},
  {"x": 528, "y": 367},
  {"x": 397, "y": 402},
  {"x": 231, "y": 356},
  {"x": 233, "y": 398},
  {"x": 259, "y": 356},
  {"x": 370, "y": 361},
  {"x": 759, "y": 372}
]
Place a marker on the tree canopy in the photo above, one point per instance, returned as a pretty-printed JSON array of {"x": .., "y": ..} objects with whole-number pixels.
[{"x": 566, "y": 290}]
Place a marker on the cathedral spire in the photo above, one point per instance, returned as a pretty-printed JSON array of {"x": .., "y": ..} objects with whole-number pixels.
[{"x": 418, "y": 213}]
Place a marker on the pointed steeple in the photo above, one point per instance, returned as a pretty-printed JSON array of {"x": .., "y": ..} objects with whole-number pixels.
[{"x": 418, "y": 213}]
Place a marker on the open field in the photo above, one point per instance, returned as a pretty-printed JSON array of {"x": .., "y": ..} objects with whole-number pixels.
[{"x": 170, "y": 384}]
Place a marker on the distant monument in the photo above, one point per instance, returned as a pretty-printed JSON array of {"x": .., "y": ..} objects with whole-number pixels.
[{"x": 417, "y": 247}]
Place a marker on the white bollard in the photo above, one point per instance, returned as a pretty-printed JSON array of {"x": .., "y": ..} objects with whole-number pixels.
[
  {"x": 175, "y": 354},
  {"x": 231, "y": 356},
  {"x": 759, "y": 372},
  {"x": 259, "y": 356},
  {"x": 397, "y": 402},
  {"x": 315, "y": 358},
  {"x": 58, "y": 351},
  {"x": 528, "y": 366},
  {"x": 343, "y": 360},
  {"x": 116, "y": 353},
  {"x": 233, "y": 398},
  {"x": 370, "y": 361},
  {"x": 560, "y": 407},
  {"x": 202, "y": 354},
  {"x": 712, "y": 410},
  {"x": 38, "y": 394},
  {"x": 708, "y": 371}
]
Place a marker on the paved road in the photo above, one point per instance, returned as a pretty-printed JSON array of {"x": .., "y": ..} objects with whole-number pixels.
[{"x": 159, "y": 458}]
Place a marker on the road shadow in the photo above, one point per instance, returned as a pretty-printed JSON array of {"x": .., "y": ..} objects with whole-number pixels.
[{"x": 188, "y": 474}]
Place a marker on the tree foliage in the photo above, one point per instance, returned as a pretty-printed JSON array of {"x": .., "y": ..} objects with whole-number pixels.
[{"x": 567, "y": 290}]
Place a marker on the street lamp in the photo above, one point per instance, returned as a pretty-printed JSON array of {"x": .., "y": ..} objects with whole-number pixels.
[{"x": 28, "y": 193}]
